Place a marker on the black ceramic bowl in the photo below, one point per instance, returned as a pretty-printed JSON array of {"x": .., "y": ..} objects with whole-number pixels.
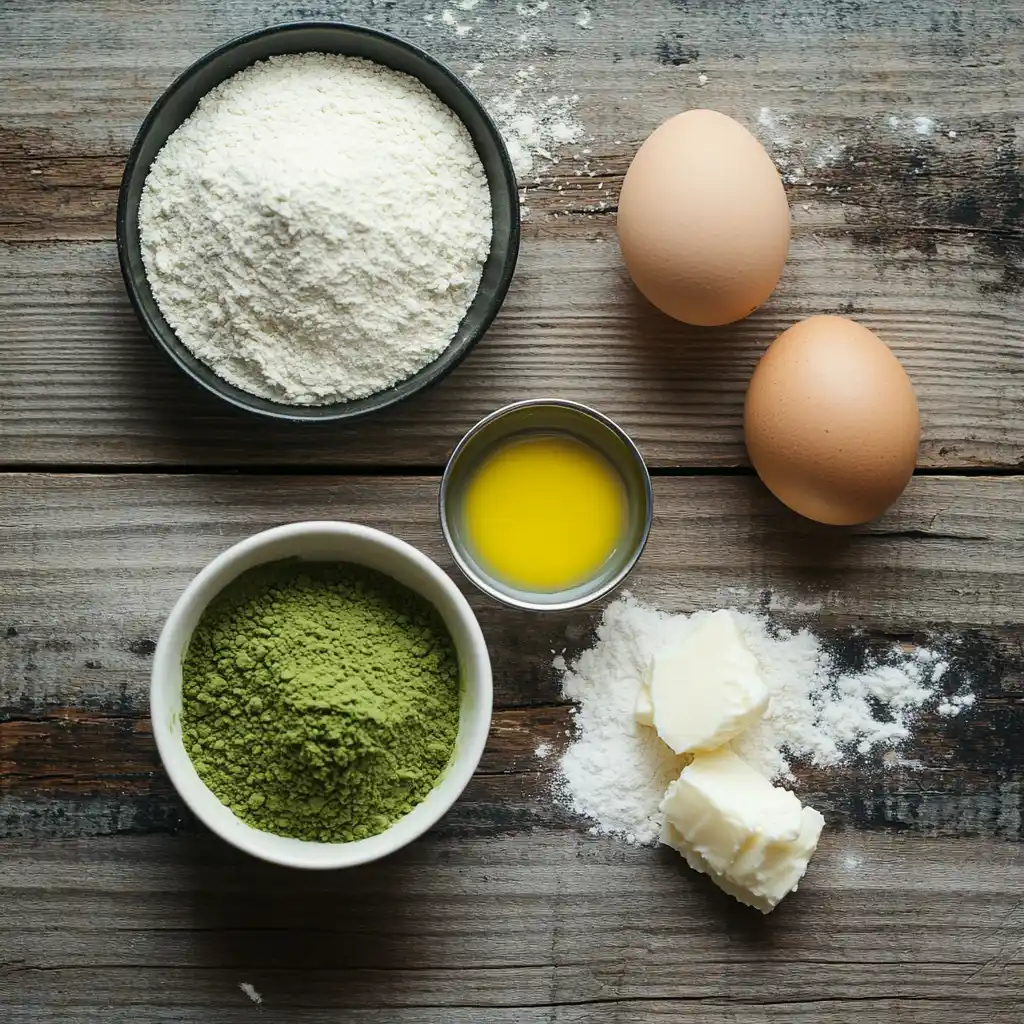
[{"x": 178, "y": 102}]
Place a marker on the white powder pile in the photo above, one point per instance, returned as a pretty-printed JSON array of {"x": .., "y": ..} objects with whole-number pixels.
[
  {"x": 615, "y": 771},
  {"x": 316, "y": 230}
]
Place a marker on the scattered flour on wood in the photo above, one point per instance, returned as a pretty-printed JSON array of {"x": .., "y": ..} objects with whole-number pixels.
[
  {"x": 535, "y": 126},
  {"x": 919, "y": 125},
  {"x": 615, "y": 771},
  {"x": 797, "y": 153},
  {"x": 536, "y": 115},
  {"x": 459, "y": 28},
  {"x": 250, "y": 992}
]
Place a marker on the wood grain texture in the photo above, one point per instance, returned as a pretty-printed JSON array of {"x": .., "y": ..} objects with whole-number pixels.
[
  {"x": 88, "y": 388},
  {"x": 94, "y": 563},
  {"x": 920, "y": 236},
  {"x": 116, "y": 907},
  {"x": 525, "y": 928}
]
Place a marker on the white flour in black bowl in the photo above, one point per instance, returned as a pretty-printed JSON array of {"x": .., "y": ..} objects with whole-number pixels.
[{"x": 316, "y": 230}]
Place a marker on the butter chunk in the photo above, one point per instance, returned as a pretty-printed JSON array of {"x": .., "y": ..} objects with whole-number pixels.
[
  {"x": 672, "y": 837},
  {"x": 720, "y": 804},
  {"x": 703, "y": 689},
  {"x": 752, "y": 838},
  {"x": 769, "y": 871}
]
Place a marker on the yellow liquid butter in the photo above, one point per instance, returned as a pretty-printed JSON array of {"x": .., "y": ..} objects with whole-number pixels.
[{"x": 544, "y": 512}]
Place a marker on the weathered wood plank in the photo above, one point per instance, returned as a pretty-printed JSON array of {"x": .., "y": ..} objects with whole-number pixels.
[
  {"x": 86, "y": 386},
  {"x": 632, "y": 64},
  {"x": 920, "y": 235},
  {"x": 93, "y": 564},
  {"x": 549, "y": 928},
  {"x": 637, "y": 1011},
  {"x": 73, "y": 782}
]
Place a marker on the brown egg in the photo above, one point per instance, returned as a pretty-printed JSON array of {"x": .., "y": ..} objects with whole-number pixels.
[
  {"x": 703, "y": 219},
  {"x": 831, "y": 421}
]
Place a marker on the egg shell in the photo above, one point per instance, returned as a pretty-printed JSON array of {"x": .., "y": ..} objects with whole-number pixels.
[
  {"x": 703, "y": 219},
  {"x": 831, "y": 421}
]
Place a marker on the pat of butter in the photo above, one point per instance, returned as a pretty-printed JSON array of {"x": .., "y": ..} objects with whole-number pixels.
[
  {"x": 720, "y": 804},
  {"x": 704, "y": 689},
  {"x": 769, "y": 871},
  {"x": 752, "y": 838}
]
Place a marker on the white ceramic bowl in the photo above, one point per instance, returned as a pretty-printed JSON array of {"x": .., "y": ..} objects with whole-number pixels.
[{"x": 323, "y": 542}]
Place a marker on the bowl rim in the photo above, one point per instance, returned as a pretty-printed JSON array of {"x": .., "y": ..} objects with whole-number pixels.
[
  {"x": 466, "y": 755},
  {"x": 237, "y": 397},
  {"x": 589, "y": 596}
]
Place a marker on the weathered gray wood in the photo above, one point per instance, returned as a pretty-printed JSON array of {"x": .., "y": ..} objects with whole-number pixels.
[
  {"x": 115, "y": 907},
  {"x": 86, "y": 386},
  {"x": 535, "y": 927},
  {"x": 638, "y": 1011},
  {"x": 93, "y": 564},
  {"x": 919, "y": 235}
]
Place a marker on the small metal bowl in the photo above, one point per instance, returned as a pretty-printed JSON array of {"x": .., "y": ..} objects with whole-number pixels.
[
  {"x": 181, "y": 98},
  {"x": 548, "y": 416}
]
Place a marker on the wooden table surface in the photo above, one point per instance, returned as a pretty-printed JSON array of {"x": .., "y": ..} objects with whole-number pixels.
[{"x": 120, "y": 481}]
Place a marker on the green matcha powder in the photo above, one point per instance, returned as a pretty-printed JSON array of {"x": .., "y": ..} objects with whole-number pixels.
[{"x": 320, "y": 701}]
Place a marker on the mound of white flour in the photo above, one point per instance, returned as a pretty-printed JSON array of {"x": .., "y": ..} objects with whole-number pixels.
[
  {"x": 316, "y": 230},
  {"x": 615, "y": 771}
]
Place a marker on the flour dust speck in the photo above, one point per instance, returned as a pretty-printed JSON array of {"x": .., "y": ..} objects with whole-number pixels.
[{"x": 251, "y": 992}]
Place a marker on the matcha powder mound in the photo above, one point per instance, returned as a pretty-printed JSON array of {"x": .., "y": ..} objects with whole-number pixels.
[{"x": 320, "y": 701}]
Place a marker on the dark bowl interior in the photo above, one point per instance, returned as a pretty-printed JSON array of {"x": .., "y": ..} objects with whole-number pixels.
[{"x": 178, "y": 102}]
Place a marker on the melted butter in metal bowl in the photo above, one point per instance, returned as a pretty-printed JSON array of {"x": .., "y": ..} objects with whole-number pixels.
[{"x": 546, "y": 505}]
